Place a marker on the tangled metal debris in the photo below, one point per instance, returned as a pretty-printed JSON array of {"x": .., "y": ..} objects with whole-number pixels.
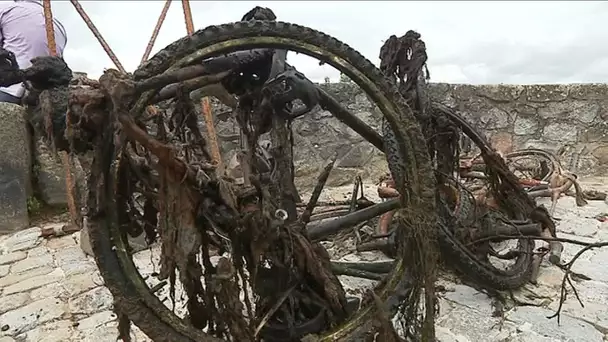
[{"x": 152, "y": 173}]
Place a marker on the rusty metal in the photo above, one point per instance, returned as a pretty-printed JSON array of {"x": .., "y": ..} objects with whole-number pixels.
[
  {"x": 97, "y": 35},
  {"x": 50, "y": 29},
  {"x": 59, "y": 230},
  {"x": 215, "y": 148},
  {"x": 65, "y": 158},
  {"x": 205, "y": 104},
  {"x": 188, "y": 17},
  {"x": 159, "y": 23}
]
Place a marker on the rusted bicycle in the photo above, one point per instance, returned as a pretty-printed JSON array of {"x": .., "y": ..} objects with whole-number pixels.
[{"x": 152, "y": 173}]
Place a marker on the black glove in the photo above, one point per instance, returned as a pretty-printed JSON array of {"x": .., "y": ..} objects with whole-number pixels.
[
  {"x": 48, "y": 72},
  {"x": 9, "y": 69}
]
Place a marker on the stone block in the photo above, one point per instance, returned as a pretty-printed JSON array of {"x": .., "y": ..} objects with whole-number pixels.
[
  {"x": 562, "y": 132},
  {"x": 50, "y": 174},
  {"x": 15, "y": 169},
  {"x": 525, "y": 126},
  {"x": 502, "y": 142},
  {"x": 547, "y": 92},
  {"x": 28, "y": 317}
]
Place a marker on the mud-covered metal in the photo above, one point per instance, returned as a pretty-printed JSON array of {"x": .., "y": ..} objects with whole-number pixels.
[{"x": 153, "y": 173}]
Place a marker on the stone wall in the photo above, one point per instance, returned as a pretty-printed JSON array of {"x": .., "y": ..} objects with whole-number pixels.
[
  {"x": 15, "y": 170},
  {"x": 30, "y": 173},
  {"x": 567, "y": 118},
  {"x": 570, "y": 119}
]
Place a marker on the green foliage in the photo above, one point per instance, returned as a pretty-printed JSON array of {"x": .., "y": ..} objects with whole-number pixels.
[{"x": 33, "y": 205}]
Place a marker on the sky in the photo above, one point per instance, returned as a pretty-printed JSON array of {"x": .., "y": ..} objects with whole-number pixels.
[{"x": 523, "y": 42}]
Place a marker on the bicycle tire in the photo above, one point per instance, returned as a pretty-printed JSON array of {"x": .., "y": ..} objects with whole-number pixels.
[
  {"x": 459, "y": 256},
  {"x": 111, "y": 257}
]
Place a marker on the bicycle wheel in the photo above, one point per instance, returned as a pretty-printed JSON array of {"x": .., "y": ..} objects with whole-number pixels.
[
  {"x": 132, "y": 297},
  {"x": 404, "y": 59},
  {"x": 532, "y": 163}
]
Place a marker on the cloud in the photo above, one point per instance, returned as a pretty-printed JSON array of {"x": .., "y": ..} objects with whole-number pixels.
[{"x": 467, "y": 42}]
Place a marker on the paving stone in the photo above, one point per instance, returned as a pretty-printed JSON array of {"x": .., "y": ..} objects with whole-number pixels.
[
  {"x": 31, "y": 263},
  {"x": 34, "y": 282},
  {"x": 92, "y": 301},
  {"x": 594, "y": 296},
  {"x": 79, "y": 283},
  {"x": 96, "y": 320},
  {"x": 592, "y": 269},
  {"x": 39, "y": 250},
  {"x": 59, "y": 331},
  {"x": 53, "y": 290},
  {"x": 15, "y": 278},
  {"x": 580, "y": 226},
  {"x": 474, "y": 325},
  {"x": 470, "y": 298},
  {"x": 61, "y": 242},
  {"x": 147, "y": 259},
  {"x": 593, "y": 291},
  {"x": 592, "y": 313},
  {"x": 139, "y": 335},
  {"x": 12, "y": 257},
  {"x": 464, "y": 316},
  {"x": 22, "y": 240},
  {"x": 525, "y": 334},
  {"x": 4, "y": 269},
  {"x": 104, "y": 333},
  {"x": 73, "y": 261},
  {"x": 569, "y": 329},
  {"x": 446, "y": 335},
  {"x": 13, "y": 301},
  {"x": 108, "y": 333},
  {"x": 28, "y": 317}
]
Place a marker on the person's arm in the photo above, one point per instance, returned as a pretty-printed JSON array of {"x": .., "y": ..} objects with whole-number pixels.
[{"x": 2, "y": 11}]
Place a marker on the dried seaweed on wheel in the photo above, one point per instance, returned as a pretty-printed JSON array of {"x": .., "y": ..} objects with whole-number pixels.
[
  {"x": 404, "y": 59},
  {"x": 157, "y": 158}
]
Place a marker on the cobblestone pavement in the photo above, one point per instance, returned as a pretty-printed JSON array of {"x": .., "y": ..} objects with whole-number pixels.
[{"x": 50, "y": 291}]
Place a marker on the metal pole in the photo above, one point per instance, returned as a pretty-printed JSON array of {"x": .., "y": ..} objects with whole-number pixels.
[
  {"x": 97, "y": 35},
  {"x": 205, "y": 105},
  {"x": 50, "y": 28},
  {"x": 159, "y": 23},
  {"x": 65, "y": 159},
  {"x": 188, "y": 17}
]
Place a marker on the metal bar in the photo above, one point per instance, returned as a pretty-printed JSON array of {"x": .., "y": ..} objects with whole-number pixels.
[
  {"x": 97, "y": 35},
  {"x": 159, "y": 23},
  {"x": 65, "y": 159},
  {"x": 321, "y": 230},
  {"x": 50, "y": 28},
  {"x": 188, "y": 17},
  {"x": 205, "y": 104},
  {"x": 212, "y": 134}
]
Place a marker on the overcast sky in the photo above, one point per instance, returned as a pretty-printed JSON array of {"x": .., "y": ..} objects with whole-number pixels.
[{"x": 467, "y": 42}]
